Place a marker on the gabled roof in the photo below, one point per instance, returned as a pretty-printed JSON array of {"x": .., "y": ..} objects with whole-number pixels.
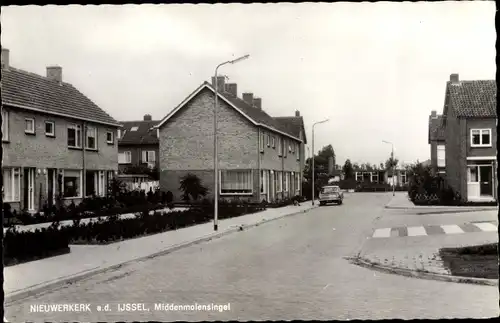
[
  {"x": 256, "y": 116},
  {"x": 436, "y": 129},
  {"x": 473, "y": 99},
  {"x": 37, "y": 93},
  {"x": 144, "y": 135},
  {"x": 293, "y": 125}
]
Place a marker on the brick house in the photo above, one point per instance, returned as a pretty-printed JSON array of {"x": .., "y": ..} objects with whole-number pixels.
[
  {"x": 470, "y": 120},
  {"x": 138, "y": 144},
  {"x": 436, "y": 140},
  {"x": 55, "y": 140},
  {"x": 260, "y": 157}
]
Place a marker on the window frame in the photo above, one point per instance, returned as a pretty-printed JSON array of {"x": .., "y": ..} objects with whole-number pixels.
[
  {"x": 145, "y": 154},
  {"x": 94, "y": 130},
  {"x": 279, "y": 181},
  {"x": 476, "y": 167},
  {"x": 280, "y": 147},
  {"x": 262, "y": 139},
  {"x": 481, "y": 130},
  {"x": 273, "y": 142},
  {"x": 112, "y": 141},
  {"x": 134, "y": 128},
  {"x": 78, "y": 135},
  {"x": 441, "y": 148},
  {"x": 268, "y": 140},
  {"x": 12, "y": 171},
  {"x": 263, "y": 181},
  {"x": 80, "y": 193},
  {"x": 298, "y": 151},
  {"x": 285, "y": 150},
  {"x": 251, "y": 182},
  {"x": 26, "y": 131},
  {"x": 5, "y": 125},
  {"x": 48, "y": 134}
]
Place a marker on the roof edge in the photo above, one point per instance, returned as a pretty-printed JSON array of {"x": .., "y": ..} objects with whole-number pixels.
[{"x": 60, "y": 114}]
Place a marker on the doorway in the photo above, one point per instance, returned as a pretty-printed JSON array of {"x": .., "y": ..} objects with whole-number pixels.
[{"x": 29, "y": 189}]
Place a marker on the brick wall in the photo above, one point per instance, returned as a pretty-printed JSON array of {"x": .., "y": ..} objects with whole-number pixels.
[
  {"x": 481, "y": 124},
  {"x": 456, "y": 171}
]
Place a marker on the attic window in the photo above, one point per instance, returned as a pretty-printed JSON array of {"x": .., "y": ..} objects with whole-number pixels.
[{"x": 134, "y": 128}]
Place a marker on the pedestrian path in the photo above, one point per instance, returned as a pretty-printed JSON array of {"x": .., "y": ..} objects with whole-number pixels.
[{"x": 427, "y": 230}]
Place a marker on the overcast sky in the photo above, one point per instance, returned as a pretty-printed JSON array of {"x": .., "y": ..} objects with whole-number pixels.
[{"x": 376, "y": 70}]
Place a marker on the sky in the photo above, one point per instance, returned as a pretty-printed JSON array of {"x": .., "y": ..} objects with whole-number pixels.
[{"x": 374, "y": 70}]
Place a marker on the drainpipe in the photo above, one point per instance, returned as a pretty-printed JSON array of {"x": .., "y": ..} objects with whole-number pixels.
[
  {"x": 84, "y": 141},
  {"x": 259, "y": 163}
]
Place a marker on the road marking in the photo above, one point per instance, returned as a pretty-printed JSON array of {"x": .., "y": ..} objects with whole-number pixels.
[
  {"x": 451, "y": 229},
  {"x": 382, "y": 233},
  {"x": 489, "y": 227},
  {"x": 416, "y": 231}
]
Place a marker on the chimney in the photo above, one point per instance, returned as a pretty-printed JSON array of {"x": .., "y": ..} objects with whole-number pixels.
[
  {"x": 232, "y": 89},
  {"x": 257, "y": 102},
  {"x": 434, "y": 114},
  {"x": 297, "y": 113},
  {"x": 5, "y": 58},
  {"x": 221, "y": 80},
  {"x": 248, "y": 98},
  {"x": 54, "y": 73},
  {"x": 454, "y": 79},
  {"x": 147, "y": 117}
]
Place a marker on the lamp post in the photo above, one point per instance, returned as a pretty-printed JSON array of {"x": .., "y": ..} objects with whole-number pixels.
[
  {"x": 216, "y": 161},
  {"x": 312, "y": 170},
  {"x": 393, "y": 166}
]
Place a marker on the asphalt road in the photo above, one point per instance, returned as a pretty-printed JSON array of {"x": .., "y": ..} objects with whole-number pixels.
[{"x": 287, "y": 269}]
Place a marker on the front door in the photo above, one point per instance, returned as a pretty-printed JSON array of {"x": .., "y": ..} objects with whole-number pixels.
[
  {"x": 51, "y": 185},
  {"x": 485, "y": 177},
  {"x": 29, "y": 189}
]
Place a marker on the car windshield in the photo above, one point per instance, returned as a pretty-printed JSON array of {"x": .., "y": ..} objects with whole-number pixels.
[{"x": 330, "y": 189}]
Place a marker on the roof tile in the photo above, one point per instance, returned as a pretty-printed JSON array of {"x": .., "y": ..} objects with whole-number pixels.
[
  {"x": 474, "y": 98},
  {"x": 144, "y": 135}
]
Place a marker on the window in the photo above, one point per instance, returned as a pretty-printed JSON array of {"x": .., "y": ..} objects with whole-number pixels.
[
  {"x": 29, "y": 125},
  {"x": 273, "y": 142},
  {"x": 279, "y": 147},
  {"x": 109, "y": 137},
  {"x": 11, "y": 190},
  {"x": 279, "y": 181},
  {"x": 330, "y": 189},
  {"x": 285, "y": 150},
  {"x": 91, "y": 180},
  {"x": 480, "y": 137},
  {"x": 268, "y": 140},
  {"x": 403, "y": 178},
  {"x": 374, "y": 178},
  {"x": 298, "y": 151},
  {"x": 236, "y": 182},
  {"x": 75, "y": 136},
  {"x": 119, "y": 134},
  {"x": 5, "y": 125},
  {"x": 125, "y": 157},
  {"x": 148, "y": 156},
  {"x": 441, "y": 162},
  {"x": 287, "y": 181},
  {"x": 359, "y": 177},
  {"x": 134, "y": 129},
  {"x": 50, "y": 129},
  {"x": 297, "y": 178},
  {"x": 262, "y": 138},
  {"x": 473, "y": 174},
  {"x": 91, "y": 140},
  {"x": 263, "y": 181},
  {"x": 72, "y": 183},
  {"x": 290, "y": 148}
]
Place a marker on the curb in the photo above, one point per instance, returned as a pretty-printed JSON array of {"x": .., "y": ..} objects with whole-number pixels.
[
  {"x": 421, "y": 274},
  {"x": 423, "y": 212},
  {"x": 71, "y": 279}
]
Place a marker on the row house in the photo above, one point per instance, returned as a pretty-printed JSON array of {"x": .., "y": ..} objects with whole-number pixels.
[
  {"x": 470, "y": 137},
  {"x": 56, "y": 142},
  {"x": 138, "y": 144},
  {"x": 260, "y": 157}
]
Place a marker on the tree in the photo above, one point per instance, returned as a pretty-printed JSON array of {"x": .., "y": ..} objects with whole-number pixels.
[
  {"x": 192, "y": 187},
  {"x": 348, "y": 169},
  {"x": 391, "y": 163},
  {"x": 320, "y": 163}
]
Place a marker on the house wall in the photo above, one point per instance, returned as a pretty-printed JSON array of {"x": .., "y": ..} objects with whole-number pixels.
[
  {"x": 186, "y": 144},
  {"x": 41, "y": 152},
  {"x": 456, "y": 168},
  {"x": 136, "y": 154},
  {"x": 481, "y": 124}
]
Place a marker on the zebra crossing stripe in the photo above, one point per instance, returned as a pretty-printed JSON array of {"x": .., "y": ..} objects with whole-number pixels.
[
  {"x": 485, "y": 226},
  {"x": 382, "y": 233},
  {"x": 452, "y": 229},
  {"x": 416, "y": 231}
]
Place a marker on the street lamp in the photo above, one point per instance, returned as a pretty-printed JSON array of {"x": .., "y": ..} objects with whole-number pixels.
[
  {"x": 393, "y": 166},
  {"x": 314, "y": 124},
  {"x": 216, "y": 162}
]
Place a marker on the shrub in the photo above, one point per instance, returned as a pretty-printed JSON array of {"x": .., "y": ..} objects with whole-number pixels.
[
  {"x": 27, "y": 246},
  {"x": 192, "y": 187}
]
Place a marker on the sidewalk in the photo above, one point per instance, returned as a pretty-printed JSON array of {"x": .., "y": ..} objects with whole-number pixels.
[
  {"x": 86, "y": 260},
  {"x": 402, "y": 202}
]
